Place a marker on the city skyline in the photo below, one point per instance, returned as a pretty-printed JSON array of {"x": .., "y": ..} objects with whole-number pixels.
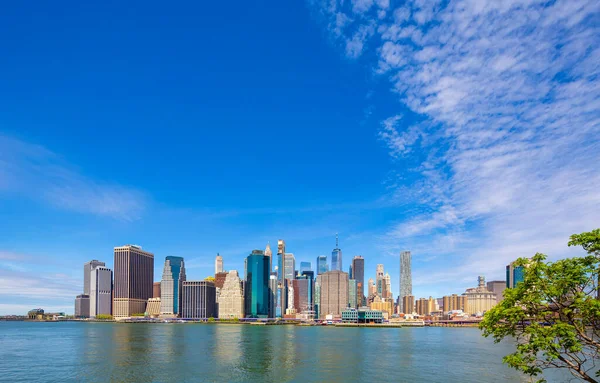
[{"x": 466, "y": 132}]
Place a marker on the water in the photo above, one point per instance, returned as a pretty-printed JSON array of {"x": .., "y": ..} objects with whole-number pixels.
[{"x": 110, "y": 352}]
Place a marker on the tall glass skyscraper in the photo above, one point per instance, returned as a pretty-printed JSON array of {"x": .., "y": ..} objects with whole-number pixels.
[
  {"x": 405, "y": 277},
  {"x": 170, "y": 285},
  {"x": 322, "y": 264},
  {"x": 336, "y": 256},
  {"x": 258, "y": 297},
  {"x": 290, "y": 266}
]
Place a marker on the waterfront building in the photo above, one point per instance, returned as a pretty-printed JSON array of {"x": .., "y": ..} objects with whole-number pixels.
[
  {"x": 358, "y": 274},
  {"x": 336, "y": 256},
  {"x": 231, "y": 299},
  {"x": 514, "y": 275},
  {"x": 383, "y": 304},
  {"x": 257, "y": 296},
  {"x": 405, "y": 276},
  {"x": 407, "y": 304},
  {"x": 317, "y": 296},
  {"x": 156, "y": 290},
  {"x": 82, "y": 306},
  {"x": 362, "y": 315},
  {"x": 101, "y": 283},
  {"x": 273, "y": 292},
  {"x": 334, "y": 293},
  {"x": 153, "y": 307},
  {"x": 218, "y": 264},
  {"x": 170, "y": 285},
  {"x": 480, "y": 299},
  {"x": 422, "y": 306},
  {"x": 133, "y": 279},
  {"x": 305, "y": 266},
  {"x": 269, "y": 253},
  {"x": 322, "y": 264},
  {"x": 352, "y": 293},
  {"x": 290, "y": 266},
  {"x": 87, "y": 268},
  {"x": 198, "y": 300},
  {"x": 497, "y": 287},
  {"x": 455, "y": 302}
]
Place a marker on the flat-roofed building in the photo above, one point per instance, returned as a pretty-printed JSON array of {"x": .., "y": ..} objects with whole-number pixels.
[
  {"x": 133, "y": 279},
  {"x": 334, "y": 293},
  {"x": 198, "y": 300},
  {"x": 231, "y": 300}
]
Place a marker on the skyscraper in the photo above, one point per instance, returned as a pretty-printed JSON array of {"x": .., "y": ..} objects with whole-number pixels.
[
  {"x": 133, "y": 278},
  {"x": 372, "y": 288},
  {"x": 352, "y": 301},
  {"x": 231, "y": 299},
  {"x": 101, "y": 282},
  {"x": 334, "y": 293},
  {"x": 405, "y": 276},
  {"x": 170, "y": 285},
  {"x": 218, "y": 264},
  {"x": 514, "y": 275},
  {"x": 280, "y": 246},
  {"x": 198, "y": 300},
  {"x": 290, "y": 266},
  {"x": 281, "y": 295},
  {"x": 358, "y": 273},
  {"x": 305, "y": 266},
  {"x": 322, "y": 264},
  {"x": 336, "y": 256},
  {"x": 379, "y": 280},
  {"x": 269, "y": 253},
  {"x": 87, "y": 268},
  {"x": 388, "y": 286},
  {"x": 497, "y": 287},
  {"x": 257, "y": 285}
]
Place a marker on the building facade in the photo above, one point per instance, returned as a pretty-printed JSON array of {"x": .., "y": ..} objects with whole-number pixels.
[
  {"x": 156, "y": 290},
  {"x": 170, "y": 285},
  {"x": 290, "y": 266},
  {"x": 383, "y": 304},
  {"x": 480, "y": 299},
  {"x": 198, "y": 300},
  {"x": 455, "y": 302},
  {"x": 101, "y": 283},
  {"x": 408, "y": 303},
  {"x": 352, "y": 301},
  {"x": 153, "y": 307},
  {"x": 82, "y": 306},
  {"x": 231, "y": 299},
  {"x": 133, "y": 279},
  {"x": 405, "y": 276},
  {"x": 87, "y": 269},
  {"x": 305, "y": 266},
  {"x": 257, "y": 285},
  {"x": 334, "y": 293},
  {"x": 497, "y": 287},
  {"x": 269, "y": 253}
]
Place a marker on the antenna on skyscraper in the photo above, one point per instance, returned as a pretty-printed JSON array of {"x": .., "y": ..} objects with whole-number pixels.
[{"x": 336, "y": 241}]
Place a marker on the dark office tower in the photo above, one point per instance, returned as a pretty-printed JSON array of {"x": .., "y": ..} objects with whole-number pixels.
[
  {"x": 358, "y": 274},
  {"x": 170, "y": 285},
  {"x": 257, "y": 285},
  {"x": 322, "y": 264},
  {"x": 133, "y": 278},
  {"x": 156, "y": 290},
  {"x": 310, "y": 293},
  {"x": 198, "y": 300},
  {"x": 336, "y": 256},
  {"x": 82, "y": 306}
]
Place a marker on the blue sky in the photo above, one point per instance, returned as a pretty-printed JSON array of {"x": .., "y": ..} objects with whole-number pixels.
[{"x": 466, "y": 132}]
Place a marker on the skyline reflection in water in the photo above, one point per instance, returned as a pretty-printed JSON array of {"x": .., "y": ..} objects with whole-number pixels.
[{"x": 120, "y": 352}]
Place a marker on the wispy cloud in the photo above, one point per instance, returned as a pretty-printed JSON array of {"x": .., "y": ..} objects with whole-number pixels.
[
  {"x": 509, "y": 94},
  {"x": 38, "y": 173}
]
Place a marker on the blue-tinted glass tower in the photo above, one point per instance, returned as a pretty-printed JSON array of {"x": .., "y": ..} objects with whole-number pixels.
[
  {"x": 336, "y": 257},
  {"x": 322, "y": 264},
  {"x": 172, "y": 279},
  {"x": 305, "y": 266},
  {"x": 258, "y": 295}
]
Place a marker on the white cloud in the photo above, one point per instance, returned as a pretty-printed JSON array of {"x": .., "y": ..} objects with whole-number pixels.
[
  {"x": 40, "y": 174},
  {"x": 510, "y": 95}
]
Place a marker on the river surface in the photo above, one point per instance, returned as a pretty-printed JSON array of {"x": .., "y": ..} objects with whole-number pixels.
[{"x": 111, "y": 352}]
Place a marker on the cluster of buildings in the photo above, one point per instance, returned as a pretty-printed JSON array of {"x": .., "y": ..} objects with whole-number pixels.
[{"x": 272, "y": 286}]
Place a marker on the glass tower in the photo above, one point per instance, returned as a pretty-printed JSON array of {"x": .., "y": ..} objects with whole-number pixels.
[
  {"x": 336, "y": 256},
  {"x": 305, "y": 266},
  {"x": 322, "y": 264},
  {"x": 405, "y": 277},
  {"x": 258, "y": 297},
  {"x": 170, "y": 285}
]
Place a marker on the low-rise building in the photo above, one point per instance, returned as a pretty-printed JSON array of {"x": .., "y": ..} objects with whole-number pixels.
[{"x": 362, "y": 315}]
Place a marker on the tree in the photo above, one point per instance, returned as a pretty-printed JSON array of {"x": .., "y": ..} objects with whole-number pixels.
[{"x": 553, "y": 315}]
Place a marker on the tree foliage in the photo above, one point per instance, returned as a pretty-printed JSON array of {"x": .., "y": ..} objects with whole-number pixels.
[
  {"x": 104, "y": 317},
  {"x": 553, "y": 315}
]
